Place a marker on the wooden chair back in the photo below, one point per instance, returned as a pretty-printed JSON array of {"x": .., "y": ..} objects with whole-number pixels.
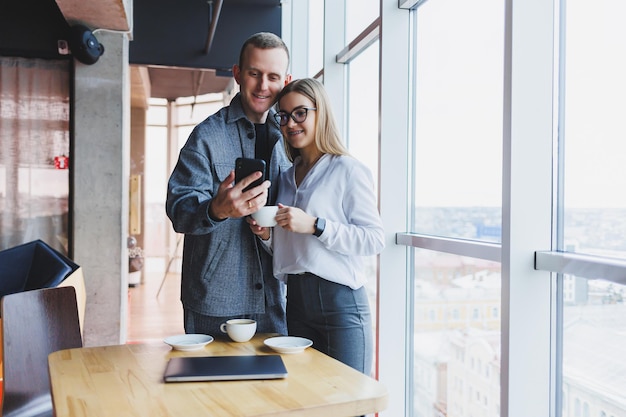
[{"x": 34, "y": 324}]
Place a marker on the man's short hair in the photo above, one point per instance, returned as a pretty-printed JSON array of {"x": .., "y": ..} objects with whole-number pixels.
[{"x": 263, "y": 40}]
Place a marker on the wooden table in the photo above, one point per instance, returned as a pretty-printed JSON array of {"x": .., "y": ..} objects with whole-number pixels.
[{"x": 127, "y": 380}]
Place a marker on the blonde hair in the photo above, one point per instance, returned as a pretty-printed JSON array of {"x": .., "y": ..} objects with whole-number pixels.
[{"x": 327, "y": 137}]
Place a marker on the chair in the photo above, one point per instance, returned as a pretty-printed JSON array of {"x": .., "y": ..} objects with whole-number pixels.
[
  {"x": 36, "y": 265},
  {"x": 34, "y": 324},
  {"x": 32, "y": 266}
]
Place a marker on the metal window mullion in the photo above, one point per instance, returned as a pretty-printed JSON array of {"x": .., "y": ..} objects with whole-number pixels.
[
  {"x": 473, "y": 249},
  {"x": 360, "y": 43},
  {"x": 582, "y": 265}
]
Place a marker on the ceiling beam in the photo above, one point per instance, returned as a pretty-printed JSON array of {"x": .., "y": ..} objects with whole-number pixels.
[
  {"x": 216, "y": 15},
  {"x": 105, "y": 14}
]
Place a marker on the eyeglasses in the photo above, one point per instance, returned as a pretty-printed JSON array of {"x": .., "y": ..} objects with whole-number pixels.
[{"x": 298, "y": 115}]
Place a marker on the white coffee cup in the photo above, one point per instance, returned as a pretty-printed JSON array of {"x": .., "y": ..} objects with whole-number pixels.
[
  {"x": 239, "y": 330},
  {"x": 266, "y": 216}
]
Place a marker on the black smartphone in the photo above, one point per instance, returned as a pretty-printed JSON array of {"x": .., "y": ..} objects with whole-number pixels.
[{"x": 245, "y": 167}]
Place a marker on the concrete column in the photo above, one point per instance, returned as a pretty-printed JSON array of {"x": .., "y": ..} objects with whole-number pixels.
[{"x": 101, "y": 172}]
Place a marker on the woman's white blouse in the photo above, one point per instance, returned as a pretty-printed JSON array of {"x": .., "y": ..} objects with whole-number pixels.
[{"x": 339, "y": 189}]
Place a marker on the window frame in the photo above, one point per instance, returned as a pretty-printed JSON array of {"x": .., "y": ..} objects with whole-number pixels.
[
  {"x": 528, "y": 70},
  {"x": 530, "y": 254}
]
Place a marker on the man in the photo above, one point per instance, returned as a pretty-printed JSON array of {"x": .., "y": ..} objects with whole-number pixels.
[{"x": 226, "y": 272}]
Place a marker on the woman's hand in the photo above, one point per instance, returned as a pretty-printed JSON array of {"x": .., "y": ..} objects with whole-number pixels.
[
  {"x": 295, "y": 219},
  {"x": 260, "y": 231}
]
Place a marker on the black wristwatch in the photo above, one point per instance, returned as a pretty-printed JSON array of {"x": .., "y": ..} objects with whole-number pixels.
[{"x": 320, "y": 225}]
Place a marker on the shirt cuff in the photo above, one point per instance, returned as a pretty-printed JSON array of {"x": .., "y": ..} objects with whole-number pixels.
[{"x": 267, "y": 243}]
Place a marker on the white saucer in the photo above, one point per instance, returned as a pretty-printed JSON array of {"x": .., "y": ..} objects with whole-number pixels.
[
  {"x": 288, "y": 344},
  {"x": 188, "y": 342}
]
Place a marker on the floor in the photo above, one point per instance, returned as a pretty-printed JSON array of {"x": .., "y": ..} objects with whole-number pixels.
[{"x": 153, "y": 317}]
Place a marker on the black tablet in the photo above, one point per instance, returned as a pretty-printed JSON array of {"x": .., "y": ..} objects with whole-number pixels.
[{"x": 224, "y": 368}]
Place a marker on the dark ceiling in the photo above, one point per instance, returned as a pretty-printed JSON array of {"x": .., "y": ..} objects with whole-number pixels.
[
  {"x": 31, "y": 28},
  {"x": 190, "y": 46},
  {"x": 171, "y": 38},
  {"x": 175, "y": 32}
]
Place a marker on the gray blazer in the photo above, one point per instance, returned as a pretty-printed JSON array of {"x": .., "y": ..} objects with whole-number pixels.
[{"x": 226, "y": 270}]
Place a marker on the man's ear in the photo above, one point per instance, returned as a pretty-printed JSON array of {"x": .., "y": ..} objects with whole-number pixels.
[
  {"x": 237, "y": 73},
  {"x": 287, "y": 79}
]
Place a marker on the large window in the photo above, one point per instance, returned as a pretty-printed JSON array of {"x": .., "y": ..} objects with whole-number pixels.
[
  {"x": 362, "y": 136},
  {"x": 593, "y": 206},
  {"x": 168, "y": 121},
  {"x": 363, "y": 108},
  {"x": 594, "y": 133},
  {"x": 316, "y": 37},
  {"x": 156, "y": 176},
  {"x": 458, "y": 118},
  {"x": 359, "y": 14},
  {"x": 500, "y": 168},
  {"x": 456, "y": 321},
  {"x": 457, "y": 161},
  {"x": 594, "y": 368}
]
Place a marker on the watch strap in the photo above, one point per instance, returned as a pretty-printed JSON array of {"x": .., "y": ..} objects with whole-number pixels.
[{"x": 319, "y": 226}]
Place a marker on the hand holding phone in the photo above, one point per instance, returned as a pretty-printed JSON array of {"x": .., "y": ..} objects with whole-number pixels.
[{"x": 247, "y": 166}]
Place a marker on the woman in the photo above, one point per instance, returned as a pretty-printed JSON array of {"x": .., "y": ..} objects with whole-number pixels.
[{"x": 327, "y": 222}]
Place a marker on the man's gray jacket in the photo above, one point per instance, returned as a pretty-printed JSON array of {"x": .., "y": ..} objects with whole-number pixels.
[{"x": 226, "y": 271}]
